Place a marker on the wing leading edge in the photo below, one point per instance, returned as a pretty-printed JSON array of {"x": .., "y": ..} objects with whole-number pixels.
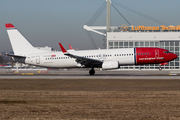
[{"x": 84, "y": 61}]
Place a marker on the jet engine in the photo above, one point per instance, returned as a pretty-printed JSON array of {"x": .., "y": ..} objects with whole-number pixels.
[{"x": 110, "y": 65}]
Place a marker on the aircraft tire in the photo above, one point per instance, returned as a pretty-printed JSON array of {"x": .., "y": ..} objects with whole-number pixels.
[
  {"x": 160, "y": 68},
  {"x": 92, "y": 72}
]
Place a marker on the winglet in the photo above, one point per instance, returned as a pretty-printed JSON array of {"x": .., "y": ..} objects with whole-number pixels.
[
  {"x": 9, "y": 25},
  {"x": 62, "y": 48},
  {"x": 71, "y": 48}
]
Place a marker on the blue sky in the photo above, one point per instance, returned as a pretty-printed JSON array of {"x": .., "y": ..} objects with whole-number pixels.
[{"x": 48, "y": 22}]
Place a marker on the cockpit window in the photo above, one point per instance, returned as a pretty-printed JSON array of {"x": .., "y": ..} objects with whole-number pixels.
[{"x": 166, "y": 52}]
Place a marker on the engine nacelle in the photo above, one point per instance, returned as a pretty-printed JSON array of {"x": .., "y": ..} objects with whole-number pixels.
[{"x": 110, "y": 65}]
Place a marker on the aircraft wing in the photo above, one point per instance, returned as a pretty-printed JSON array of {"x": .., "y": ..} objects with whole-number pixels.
[
  {"x": 85, "y": 61},
  {"x": 82, "y": 60}
]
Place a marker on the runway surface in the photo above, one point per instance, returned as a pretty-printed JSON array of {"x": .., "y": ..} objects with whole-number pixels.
[{"x": 84, "y": 74}]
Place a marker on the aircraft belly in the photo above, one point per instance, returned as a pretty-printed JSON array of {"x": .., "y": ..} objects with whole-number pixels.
[{"x": 66, "y": 63}]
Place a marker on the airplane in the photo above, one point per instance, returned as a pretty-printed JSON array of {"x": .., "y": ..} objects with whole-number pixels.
[{"x": 106, "y": 59}]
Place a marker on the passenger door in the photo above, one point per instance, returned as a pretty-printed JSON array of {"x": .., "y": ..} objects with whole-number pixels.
[
  {"x": 37, "y": 59},
  {"x": 156, "y": 55}
]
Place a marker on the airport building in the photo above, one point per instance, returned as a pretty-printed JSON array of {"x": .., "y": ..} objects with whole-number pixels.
[
  {"x": 167, "y": 37},
  {"x": 162, "y": 38}
]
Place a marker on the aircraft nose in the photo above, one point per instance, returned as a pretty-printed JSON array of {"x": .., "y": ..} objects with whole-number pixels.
[{"x": 173, "y": 56}]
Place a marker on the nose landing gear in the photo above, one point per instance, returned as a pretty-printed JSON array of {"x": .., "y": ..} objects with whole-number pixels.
[{"x": 160, "y": 68}]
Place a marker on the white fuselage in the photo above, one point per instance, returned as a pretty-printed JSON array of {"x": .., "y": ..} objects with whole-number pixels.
[{"x": 59, "y": 60}]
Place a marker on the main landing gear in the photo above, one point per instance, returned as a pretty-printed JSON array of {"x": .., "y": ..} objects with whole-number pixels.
[{"x": 92, "y": 71}]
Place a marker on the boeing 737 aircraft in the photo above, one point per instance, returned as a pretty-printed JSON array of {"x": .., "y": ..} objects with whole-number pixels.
[{"x": 106, "y": 59}]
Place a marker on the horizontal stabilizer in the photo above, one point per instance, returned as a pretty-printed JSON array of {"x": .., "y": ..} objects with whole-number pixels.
[{"x": 18, "y": 56}]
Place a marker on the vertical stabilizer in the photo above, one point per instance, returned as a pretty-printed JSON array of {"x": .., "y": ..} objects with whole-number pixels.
[{"x": 19, "y": 43}]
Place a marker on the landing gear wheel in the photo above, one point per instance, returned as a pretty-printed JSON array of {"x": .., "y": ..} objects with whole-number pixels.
[
  {"x": 92, "y": 72},
  {"x": 160, "y": 68}
]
